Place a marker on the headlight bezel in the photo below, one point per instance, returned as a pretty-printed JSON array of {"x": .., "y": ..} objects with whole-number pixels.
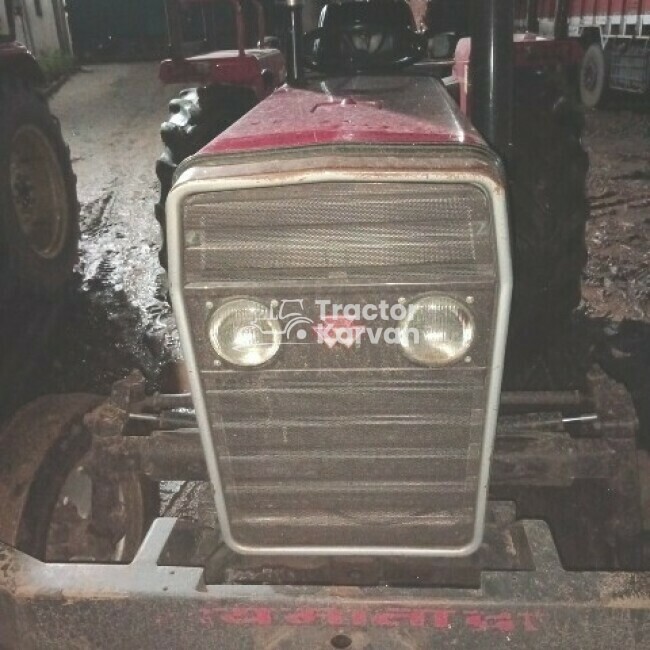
[
  {"x": 464, "y": 352},
  {"x": 226, "y": 309}
]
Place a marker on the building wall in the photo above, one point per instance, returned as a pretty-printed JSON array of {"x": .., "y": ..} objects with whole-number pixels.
[
  {"x": 5, "y": 28},
  {"x": 42, "y": 25}
]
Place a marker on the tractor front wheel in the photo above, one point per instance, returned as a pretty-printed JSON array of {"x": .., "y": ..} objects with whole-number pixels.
[{"x": 49, "y": 496}]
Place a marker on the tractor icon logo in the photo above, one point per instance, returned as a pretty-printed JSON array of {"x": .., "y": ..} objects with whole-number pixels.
[
  {"x": 288, "y": 309},
  {"x": 295, "y": 326}
]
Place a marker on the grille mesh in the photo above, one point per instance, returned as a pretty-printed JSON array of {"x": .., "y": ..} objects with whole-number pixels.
[
  {"x": 337, "y": 226},
  {"x": 344, "y": 447}
]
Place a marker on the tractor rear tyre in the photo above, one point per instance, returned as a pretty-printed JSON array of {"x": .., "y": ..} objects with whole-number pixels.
[
  {"x": 39, "y": 212},
  {"x": 197, "y": 116},
  {"x": 48, "y": 495},
  {"x": 548, "y": 171}
]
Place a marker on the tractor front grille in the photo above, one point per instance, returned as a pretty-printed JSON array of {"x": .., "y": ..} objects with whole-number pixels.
[
  {"x": 334, "y": 461},
  {"x": 342, "y": 449}
]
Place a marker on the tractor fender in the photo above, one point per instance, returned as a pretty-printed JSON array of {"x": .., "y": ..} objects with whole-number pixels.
[
  {"x": 25, "y": 443},
  {"x": 18, "y": 60},
  {"x": 531, "y": 52}
]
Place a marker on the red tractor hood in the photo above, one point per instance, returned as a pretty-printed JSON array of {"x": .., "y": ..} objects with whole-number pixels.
[{"x": 350, "y": 111}]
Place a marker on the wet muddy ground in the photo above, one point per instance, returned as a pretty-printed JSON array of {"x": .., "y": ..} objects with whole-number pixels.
[
  {"x": 617, "y": 278},
  {"x": 616, "y": 286},
  {"x": 111, "y": 117},
  {"x": 116, "y": 319}
]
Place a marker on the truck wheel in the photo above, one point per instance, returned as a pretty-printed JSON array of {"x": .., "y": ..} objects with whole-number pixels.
[
  {"x": 197, "y": 116},
  {"x": 548, "y": 172},
  {"x": 593, "y": 76},
  {"x": 46, "y": 493},
  {"x": 39, "y": 212}
]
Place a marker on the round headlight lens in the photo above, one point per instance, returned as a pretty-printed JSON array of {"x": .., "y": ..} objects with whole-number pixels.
[
  {"x": 437, "y": 331},
  {"x": 243, "y": 333}
]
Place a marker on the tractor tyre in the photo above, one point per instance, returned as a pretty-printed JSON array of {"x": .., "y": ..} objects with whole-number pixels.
[
  {"x": 548, "y": 172},
  {"x": 47, "y": 492},
  {"x": 594, "y": 74},
  {"x": 39, "y": 212},
  {"x": 197, "y": 116}
]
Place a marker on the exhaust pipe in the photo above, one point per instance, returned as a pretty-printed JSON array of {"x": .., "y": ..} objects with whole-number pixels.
[{"x": 491, "y": 71}]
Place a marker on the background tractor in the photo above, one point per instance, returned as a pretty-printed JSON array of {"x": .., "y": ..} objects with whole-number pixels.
[
  {"x": 39, "y": 224},
  {"x": 369, "y": 491},
  {"x": 229, "y": 84}
]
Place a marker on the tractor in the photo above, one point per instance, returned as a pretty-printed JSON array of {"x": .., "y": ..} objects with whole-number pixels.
[
  {"x": 374, "y": 270},
  {"x": 39, "y": 213}
]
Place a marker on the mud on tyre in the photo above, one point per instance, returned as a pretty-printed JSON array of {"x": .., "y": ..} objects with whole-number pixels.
[{"x": 39, "y": 212}]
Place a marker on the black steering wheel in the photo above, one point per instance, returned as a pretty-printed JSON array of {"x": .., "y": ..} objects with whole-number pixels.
[
  {"x": 362, "y": 47},
  {"x": 362, "y": 39}
]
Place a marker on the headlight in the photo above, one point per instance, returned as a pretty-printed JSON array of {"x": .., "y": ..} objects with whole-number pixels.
[
  {"x": 437, "y": 331},
  {"x": 243, "y": 333}
]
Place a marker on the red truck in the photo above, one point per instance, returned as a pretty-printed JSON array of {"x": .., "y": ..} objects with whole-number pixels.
[{"x": 615, "y": 35}]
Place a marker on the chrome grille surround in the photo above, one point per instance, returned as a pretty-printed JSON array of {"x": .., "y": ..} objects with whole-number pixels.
[{"x": 394, "y": 531}]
